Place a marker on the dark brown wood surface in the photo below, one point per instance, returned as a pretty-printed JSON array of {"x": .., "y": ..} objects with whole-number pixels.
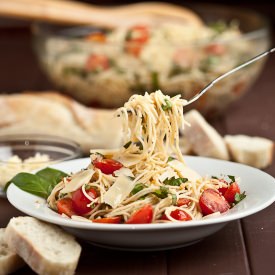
[{"x": 242, "y": 247}]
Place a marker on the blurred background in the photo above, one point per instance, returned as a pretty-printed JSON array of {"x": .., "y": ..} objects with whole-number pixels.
[{"x": 19, "y": 62}]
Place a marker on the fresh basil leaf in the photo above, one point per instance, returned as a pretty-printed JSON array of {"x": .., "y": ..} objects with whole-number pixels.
[
  {"x": 239, "y": 197},
  {"x": 52, "y": 176},
  {"x": 175, "y": 182},
  {"x": 138, "y": 187},
  {"x": 40, "y": 184},
  {"x": 32, "y": 184},
  {"x": 213, "y": 177},
  {"x": 162, "y": 192},
  {"x": 232, "y": 178}
]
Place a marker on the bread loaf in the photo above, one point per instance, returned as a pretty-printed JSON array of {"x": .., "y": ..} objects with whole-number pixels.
[
  {"x": 9, "y": 261},
  {"x": 253, "y": 151},
  {"x": 205, "y": 140},
  {"x": 55, "y": 114},
  {"x": 46, "y": 248}
]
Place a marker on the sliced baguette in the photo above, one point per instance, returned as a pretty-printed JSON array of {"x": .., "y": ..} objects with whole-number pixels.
[
  {"x": 45, "y": 248},
  {"x": 9, "y": 261},
  {"x": 205, "y": 140},
  {"x": 253, "y": 151}
]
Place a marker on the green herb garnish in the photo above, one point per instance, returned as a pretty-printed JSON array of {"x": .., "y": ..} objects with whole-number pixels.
[
  {"x": 218, "y": 26},
  {"x": 40, "y": 184},
  {"x": 138, "y": 187},
  {"x": 170, "y": 159},
  {"x": 167, "y": 105},
  {"x": 175, "y": 182},
  {"x": 213, "y": 177},
  {"x": 162, "y": 192},
  {"x": 155, "y": 81},
  {"x": 232, "y": 178},
  {"x": 239, "y": 197}
]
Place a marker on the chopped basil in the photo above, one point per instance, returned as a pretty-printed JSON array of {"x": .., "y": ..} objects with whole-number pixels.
[
  {"x": 213, "y": 177},
  {"x": 138, "y": 187},
  {"x": 167, "y": 105},
  {"x": 40, "y": 184},
  {"x": 177, "y": 70},
  {"x": 126, "y": 145},
  {"x": 155, "y": 81},
  {"x": 218, "y": 26},
  {"x": 239, "y": 197},
  {"x": 162, "y": 192},
  {"x": 232, "y": 178},
  {"x": 170, "y": 159},
  {"x": 74, "y": 71},
  {"x": 208, "y": 63},
  {"x": 174, "y": 199},
  {"x": 175, "y": 182}
]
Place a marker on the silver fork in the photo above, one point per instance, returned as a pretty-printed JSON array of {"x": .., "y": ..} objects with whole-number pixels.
[{"x": 212, "y": 83}]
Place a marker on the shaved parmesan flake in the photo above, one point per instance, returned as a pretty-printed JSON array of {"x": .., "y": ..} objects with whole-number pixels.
[
  {"x": 79, "y": 179},
  {"x": 168, "y": 174},
  {"x": 184, "y": 171},
  {"x": 118, "y": 191},
  {"x": 124, "y": 171}
]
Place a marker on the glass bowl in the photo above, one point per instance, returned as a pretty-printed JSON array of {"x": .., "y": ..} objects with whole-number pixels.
[
  {"x": 104, "y": 68},
  {"x": 24, "y": 153}
]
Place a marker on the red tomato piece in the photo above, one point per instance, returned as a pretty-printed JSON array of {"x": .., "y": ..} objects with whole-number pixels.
[
  {"x": 222, "y": 190},
  {"x": 97, "y": 62},
  {"x": 136, "y": 38},
  {"x": 179, "y": 215},
  {"x": 108, "y": 220},
  {"x": 215, "y": 49},
  {"x": 232, "y": 190},
  {"x": 183, "y": 201},
  {"x": 107, "y": 166},
  {"x": 65, "y": 206},
  {"x": 143, "y": 215},
  {"x": 212, "y": 201},
  {"x": 80, "y": 201}
]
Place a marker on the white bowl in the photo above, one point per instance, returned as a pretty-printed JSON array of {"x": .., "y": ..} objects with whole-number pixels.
[{"x": 259, "y": 187}]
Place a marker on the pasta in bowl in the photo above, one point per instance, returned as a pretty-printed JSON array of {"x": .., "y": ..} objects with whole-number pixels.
[{"x": 144, "y": 186}]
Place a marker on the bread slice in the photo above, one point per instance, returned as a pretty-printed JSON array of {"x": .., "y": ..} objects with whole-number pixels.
[
  {"x": 253, "y": 151},
  {"x": 46, "y": 248},
  {"x": 9, "y": 261},
  {"x": 205, "y": 140}
]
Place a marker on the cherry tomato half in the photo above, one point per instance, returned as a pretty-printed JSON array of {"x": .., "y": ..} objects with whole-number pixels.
[
  {"x": 215, "y": 49},
  {"x": 136, "y": 38},
  {"x": 143, "y": 215},
  {"x": 65, "y": 206},
  {"x": 212, "y": 201},
  {"x": 97, "y": 62},
  {"x": 183, "y": 201},
  {"x": 80, "y": 201},
  {"x": 231, "y": 191},
  {"x": 179, "y": 215},
  {"x": 107, "y": 166}
]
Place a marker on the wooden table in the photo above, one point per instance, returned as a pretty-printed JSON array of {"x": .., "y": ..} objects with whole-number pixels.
[{"x": 242, "y": 247}]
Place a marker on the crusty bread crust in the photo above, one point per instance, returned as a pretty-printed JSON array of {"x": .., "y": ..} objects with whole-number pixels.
[
  {"x": 26, "y": 248},
  {"x": 56, "y": 114},
  {"x": 254, "y": 151},
  {"x": 9, "y": 261}
]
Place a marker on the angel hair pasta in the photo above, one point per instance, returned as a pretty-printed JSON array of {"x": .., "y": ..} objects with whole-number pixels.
[{"x": 146, "y": 180}]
